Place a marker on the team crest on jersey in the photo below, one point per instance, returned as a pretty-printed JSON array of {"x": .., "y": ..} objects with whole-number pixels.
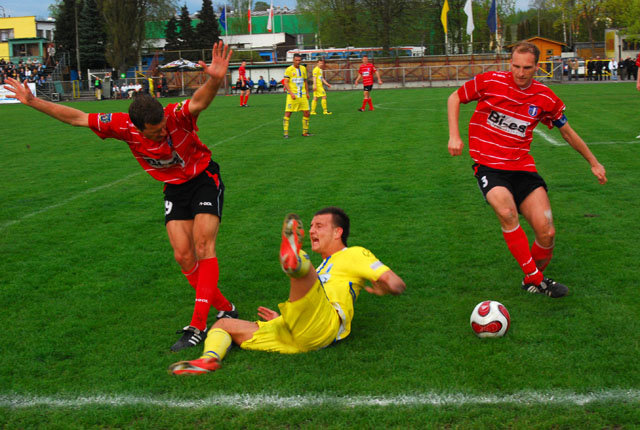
[
  {"x": 105, "y": 118},
  {"x": 179, "y": 107},
  {"x": 534, "y": 110}
]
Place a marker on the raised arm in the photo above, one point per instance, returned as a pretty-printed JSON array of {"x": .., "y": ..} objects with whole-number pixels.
[
  {"x": 387, "y": 283},
  {"x": 578, "y": 144},
  {"x": 66, "y": 114},
  {"x": 453, "y": 115},
  {"x": 202, "y": 98}
]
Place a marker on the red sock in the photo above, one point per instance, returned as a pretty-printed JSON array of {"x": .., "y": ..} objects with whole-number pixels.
[
  {"x": 207, "y": 293},
  {"x": 246, "y": 99},
  {"x": 542, "y": 256},
  {"x": 192, "y": 276},
  {"x": 370, "y": 104},
  {"x": 519, "y": 246},
  {"x": 241, "y": 99},
  {"x": 364, "y": 103}
]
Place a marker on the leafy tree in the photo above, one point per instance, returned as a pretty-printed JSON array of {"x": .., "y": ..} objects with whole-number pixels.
[
  {"x": 92, "y": 37},
  {"x": 207, "y": 31},
  {"x": 261, "y": 6},
  {"x": 125, "y": 26}
]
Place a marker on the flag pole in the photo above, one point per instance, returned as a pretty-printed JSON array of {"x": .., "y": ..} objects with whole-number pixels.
[{"x": 226, "y": 24}]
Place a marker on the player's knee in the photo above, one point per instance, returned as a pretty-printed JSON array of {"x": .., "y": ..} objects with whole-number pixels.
[
  {"x": 185, "y": 258},
  {"x": 205, "y": 248},
  {"x": 546, "y": 236},
  {"x": 507, "y": 215}
]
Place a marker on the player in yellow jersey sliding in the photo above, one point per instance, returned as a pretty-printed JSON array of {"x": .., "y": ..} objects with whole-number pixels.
[
  {"x": 318, "y": 88},
  {"x": 295, "y": 85},
  {"x": 321, "y": 302}
]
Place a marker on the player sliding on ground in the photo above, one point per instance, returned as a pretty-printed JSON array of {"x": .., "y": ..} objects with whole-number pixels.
[
  {"x": 165, "y": 143},
  {"x": 510, "y": 105},
  {"x": 321, "y": 301}
]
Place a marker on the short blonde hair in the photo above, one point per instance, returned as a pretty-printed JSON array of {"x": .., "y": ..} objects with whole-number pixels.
[{"x": 524, "y": 47}]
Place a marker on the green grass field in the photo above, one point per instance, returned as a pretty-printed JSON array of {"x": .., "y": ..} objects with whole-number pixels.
[{"x": 91, "y": 296}]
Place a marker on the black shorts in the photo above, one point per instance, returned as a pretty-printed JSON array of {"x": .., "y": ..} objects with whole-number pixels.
[
  {"x": 202, "y": 194},
  {"x": 243, "y": 87},
  {"x": 519, "y": 183},
  {"x": 368, "y": 87}
]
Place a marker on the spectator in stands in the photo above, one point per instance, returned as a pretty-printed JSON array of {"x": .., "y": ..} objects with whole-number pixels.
[
  {"x": 273, "y": 85},
  {"x": 590, "y": 65},
  {"x": 613, "y": 68},
  {"x": 262, "y": 85},
  {"x": 573, "y": 68},
  {"x": 250, "y": 85}
]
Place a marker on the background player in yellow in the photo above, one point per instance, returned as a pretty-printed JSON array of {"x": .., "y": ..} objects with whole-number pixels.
[
  {"x": 321, "y": 302},
  {"x": 318, "y": 88},
  {"x": 295, "y": 85}
]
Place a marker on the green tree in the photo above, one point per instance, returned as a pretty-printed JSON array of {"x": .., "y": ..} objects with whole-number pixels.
[
  {"x": 125, "y": 26},
  {"x": 261, "y": 6},
  {"x": 92, "y": 36},
  {"x": 207, "y": 30},
  {"x": 65, "y": 34},
  {"x": 185, "y": 32},
  {"x": 171, "y": 35}
]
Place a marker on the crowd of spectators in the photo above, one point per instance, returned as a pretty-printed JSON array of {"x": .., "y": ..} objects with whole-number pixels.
[{"x": 35, "y": 71}]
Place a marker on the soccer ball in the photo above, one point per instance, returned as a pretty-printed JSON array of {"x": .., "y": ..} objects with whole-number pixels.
[{"x": 490, "y": 319}]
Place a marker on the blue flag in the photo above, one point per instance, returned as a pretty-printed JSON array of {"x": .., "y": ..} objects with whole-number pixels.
[
  {"x": 223, "y": 18},
  {"x": 492, "y": 19}
]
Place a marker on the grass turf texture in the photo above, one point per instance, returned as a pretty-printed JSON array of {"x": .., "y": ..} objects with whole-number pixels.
[{"x": 91, "y": 296}]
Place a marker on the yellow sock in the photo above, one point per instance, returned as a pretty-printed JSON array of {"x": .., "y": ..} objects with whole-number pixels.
[
  {"x": 216, "y": 344},
  {"x": 305, "y": 125},
  {"x": 324, "y": 105},
  {"x": 285, "y": 124},
  {"x": 314, "y": 103},
  {"x": 303, "y": 267}
]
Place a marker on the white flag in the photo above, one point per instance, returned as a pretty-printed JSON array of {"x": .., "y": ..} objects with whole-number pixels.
[
  {"x": 469, "y": 11},
  {"x": 270, "y": 20}
]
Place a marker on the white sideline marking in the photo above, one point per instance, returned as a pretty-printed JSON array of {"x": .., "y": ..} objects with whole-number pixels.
[
  {"x": 64, "y": 202},
  {"x": 555, "y": 142},
  {"x": 548, "y": 138},
  {"x": 258, "y": 401},
  {"x": 242, "y": 134}
]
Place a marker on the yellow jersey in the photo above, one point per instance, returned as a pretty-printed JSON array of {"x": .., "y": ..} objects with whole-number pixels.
[
  {"x": 343, "y": 275},
  {"x": 317, "y": 78},
  {"x": 297, "y": 78}
]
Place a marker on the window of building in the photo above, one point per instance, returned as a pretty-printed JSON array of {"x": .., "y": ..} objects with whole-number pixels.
[{"x": 6, "y": 34}]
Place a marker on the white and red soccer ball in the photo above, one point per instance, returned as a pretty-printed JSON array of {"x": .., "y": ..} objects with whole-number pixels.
[{"x": 490, "y": 319}]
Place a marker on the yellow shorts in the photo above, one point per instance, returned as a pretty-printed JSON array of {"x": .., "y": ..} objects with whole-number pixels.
[
  {"x": 319, "y": 93},
  {"x": 300, "y": 104},
  {"x": 307, "y": 324}
]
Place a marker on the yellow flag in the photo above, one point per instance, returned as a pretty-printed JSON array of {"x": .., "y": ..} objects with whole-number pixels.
[{"x": 443, "y": 15}]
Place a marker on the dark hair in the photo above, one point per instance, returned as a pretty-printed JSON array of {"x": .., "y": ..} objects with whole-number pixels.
[
  {"x": 339, "y": 219},
  {"x": 297, "y": 55},
  {"x": 144, "y": 109},
  {"x": 524, "y": 47}
]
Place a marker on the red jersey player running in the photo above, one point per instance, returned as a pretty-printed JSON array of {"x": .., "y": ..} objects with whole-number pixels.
[
  {"x": 165, "y": 143},
  {"x": 244, "y": 88},
  {"x": 366, "y": 72},
  {"x": 510, "y": 105}
]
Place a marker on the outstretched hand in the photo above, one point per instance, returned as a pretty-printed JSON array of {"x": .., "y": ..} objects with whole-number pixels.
[
  {"x": 21, "y": 91},
  {"x": 220, "y": 56},
  {"x": 267, "y": 314}
]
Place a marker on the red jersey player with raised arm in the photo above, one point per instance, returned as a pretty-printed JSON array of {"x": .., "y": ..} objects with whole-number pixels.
[
  {"x": 510, "y": 105},
  {"x": 165, "y": 143},
  {"x": 366, "y": 72}
]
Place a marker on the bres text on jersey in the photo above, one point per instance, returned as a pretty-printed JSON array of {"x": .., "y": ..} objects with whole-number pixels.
[
  {"x": 501, "y": 128},
  {"x": 175, "y": 160}
]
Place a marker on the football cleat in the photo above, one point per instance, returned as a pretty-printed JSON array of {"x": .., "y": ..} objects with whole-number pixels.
[
  {"x": 327, "y": 113},
  {"x": 548, "y": 286},
  {"x": 313, "y": 113},
  {"x": 195, "y": 367},
  {"x": 233, "y": 313},
  {"x": 293, "y": 260},
  {"x": 307, "y": 134},
  {"x": 361, "y": 110},
  {"x": 286, "y": 136},
  {"x": 191, "y": 336}
]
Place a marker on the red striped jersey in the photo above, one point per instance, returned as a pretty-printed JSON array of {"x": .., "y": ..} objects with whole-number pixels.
[
  {"x": 242, "y": 72},
  {"x": 501, "y": 128},
  {"x": 177, "y": 159},
  {"x": 367, "y": 71}
]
